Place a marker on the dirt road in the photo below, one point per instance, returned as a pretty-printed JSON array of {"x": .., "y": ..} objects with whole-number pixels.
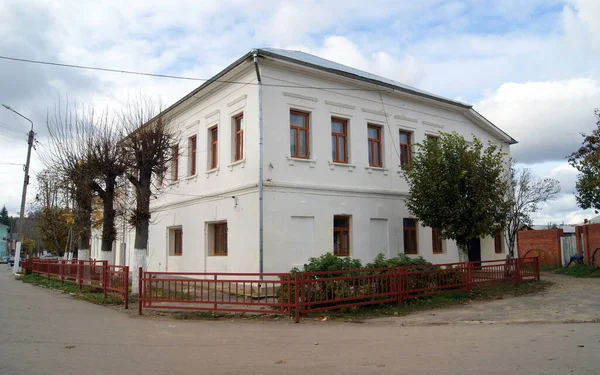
[{"x": 45, "y": 332}]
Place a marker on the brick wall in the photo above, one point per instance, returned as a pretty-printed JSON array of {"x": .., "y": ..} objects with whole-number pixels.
[
  {"x": 545, "y": 243},
  {"x": 591, "y": 242}
]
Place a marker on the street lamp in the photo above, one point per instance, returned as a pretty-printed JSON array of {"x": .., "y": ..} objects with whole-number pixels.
[{"x": 24, "y": 195}]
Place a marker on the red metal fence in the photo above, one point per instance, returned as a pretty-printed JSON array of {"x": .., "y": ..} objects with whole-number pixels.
[
  {"x": 97, "y": 274},
  {"x": 308, "y": 292}
]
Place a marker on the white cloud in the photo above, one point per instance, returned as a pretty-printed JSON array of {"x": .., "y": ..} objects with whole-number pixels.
[{"x": 544, "y": 117}]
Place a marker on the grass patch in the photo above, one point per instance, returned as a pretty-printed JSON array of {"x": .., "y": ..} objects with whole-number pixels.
[
  {"x": 546, "y": 268},
  {"x": 86, "y": 294},
  {"x": 579, "y": 270},
  {"x": 435, "y": 302}
]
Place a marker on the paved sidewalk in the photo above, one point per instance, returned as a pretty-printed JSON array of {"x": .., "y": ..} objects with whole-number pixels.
[{"x": 45, "y": 332}]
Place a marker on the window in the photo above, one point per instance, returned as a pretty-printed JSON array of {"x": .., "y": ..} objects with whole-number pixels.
[
  {"x": 175, "y": 164},
  {"x": 374, "y": 138},
  {"x": 434, "y": 138},
  {"x": 192, "y": 155},
  {"x": 341, "y": 235},
  {"x": 410, "y": 236},
  {"x": 217, "y": 239},
  {"x": 238, "y": 140},
  {"x": 405, "y": 149},
  {"x": 436, "y": 241},
  {"x": 299, "y": 143},
  {"x": 498, "y": 242},
  {"x": 214, "y": 147},
  {"x": 175, "y": 241},
  {"x": 339, "y": 140}
]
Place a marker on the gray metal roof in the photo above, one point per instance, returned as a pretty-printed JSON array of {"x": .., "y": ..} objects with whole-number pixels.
[{"x": 323, "y": 64}]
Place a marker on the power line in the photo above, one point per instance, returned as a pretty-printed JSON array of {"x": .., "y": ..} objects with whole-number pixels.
[
  {"x": 156, "y": 75},
  {"x": 9, "y": 163}
]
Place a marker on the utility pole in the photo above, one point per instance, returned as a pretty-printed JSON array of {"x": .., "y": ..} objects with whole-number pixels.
[{"x": 30, "y": 138}]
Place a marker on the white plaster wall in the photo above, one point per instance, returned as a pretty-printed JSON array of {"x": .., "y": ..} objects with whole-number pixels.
[{"x": 193, "y": 217}]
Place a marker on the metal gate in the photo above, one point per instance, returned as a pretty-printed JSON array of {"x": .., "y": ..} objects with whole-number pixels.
[{"x": 568, "y": 247}]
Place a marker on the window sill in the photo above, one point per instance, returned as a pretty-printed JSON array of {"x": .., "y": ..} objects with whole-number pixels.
[
  {"x": 218, "y": 255},
  {"x": 370, "y": 170},
  {"x": 175, "y": 255},
  {"x": 241, "y": 163},
  {"x": 333, "y": 164},
  {"x": 292, "y": 161},
  {"x": 401, "y": 172},
  {"x": 192, "y": 177},
  {"x": 214, "y": 171}
]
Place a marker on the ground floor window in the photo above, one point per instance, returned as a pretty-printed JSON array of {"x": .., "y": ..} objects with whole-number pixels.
[
  {"x": 436, "y": 241},
  {"x": 217, "y": 239},
  {"x": 498, "y": 242},
  {"x": 341, "y": 235},
  {"x": 175, "y": 241},
  {"x": 410, "y": 236}
]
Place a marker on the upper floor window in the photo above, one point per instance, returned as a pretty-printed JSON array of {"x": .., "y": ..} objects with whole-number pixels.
[
  {"x": 341, "y": 235},
  {"x": 405, "y": 149},
  {"x": 410, "y": 236},
  {"x": 299, "y": 141},
  {"x": 339, "y": 140},
  {"x": 238, "y": 140},
  {"x": 213, "y": 133},
  {"x": 192, "y": 143},
  {"x": 374, "y": 141},
  {"x": 175, "y": 163}
]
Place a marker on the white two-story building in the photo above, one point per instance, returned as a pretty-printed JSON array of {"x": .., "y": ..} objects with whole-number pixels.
[{"x": 285, "y": 156}]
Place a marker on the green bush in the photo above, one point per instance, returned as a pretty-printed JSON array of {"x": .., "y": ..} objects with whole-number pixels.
[{"x": 400, "y": 260}]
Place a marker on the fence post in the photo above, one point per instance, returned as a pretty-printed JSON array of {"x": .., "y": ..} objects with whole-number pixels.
[
  {"x": 470, "y": 274},
  {"x": 80, "y": 274},
  {"x": 296, "y": 299},
  {"x": 537, "y": 268},
  {"x": 125, "y": 280},
  {"x": 400, "y": 285},
  {"x": 61, "y": 271},
  {"x": 105, "y": 276},
  {"x": 141, "y": 292},
  {"x": 518, "y": 270}
]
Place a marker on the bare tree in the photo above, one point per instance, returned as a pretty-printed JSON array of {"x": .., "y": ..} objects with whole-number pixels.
[
  {"x": 526, "y": 192},
  {"x": 107, "y": 161},
  {"x": 67, "y": 153},
  {"x": 149, "y": 145}
]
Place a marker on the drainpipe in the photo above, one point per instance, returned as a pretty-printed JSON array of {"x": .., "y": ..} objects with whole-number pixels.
[{"x": 260, "y": 168}]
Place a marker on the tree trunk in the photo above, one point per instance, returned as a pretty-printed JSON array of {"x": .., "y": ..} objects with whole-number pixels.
[
  {"x": 83, "y": 222},
  {"x": 108, "y": 220},
  {"x": 142, "y": 223}
]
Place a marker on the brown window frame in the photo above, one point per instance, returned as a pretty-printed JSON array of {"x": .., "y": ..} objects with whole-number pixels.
[
  {"x": 434, "y": 138},
  {"x": 498, "y": 242},
  {"x": 193, "y": 144},
  {"x": 373, "y": 143},
  {"x": 335, "y": 157},
  {"x": 405, "y": 149},
  {"x": 337, "y": 231},
  {"x": 177, "y": 234},
  {"x": 298, "y": 130},
  {"x": 214, "y": 147},
  {"x": 219, "y": 239},
  {"x": 436, "y": 241},
  {"x": 410, "y": 233},
  {"x": 175, "y": 164},
  {"x": 238, "y": 153}
]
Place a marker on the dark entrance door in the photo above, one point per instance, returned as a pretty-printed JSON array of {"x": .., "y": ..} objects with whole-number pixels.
[{"x": 474, "y": 248}]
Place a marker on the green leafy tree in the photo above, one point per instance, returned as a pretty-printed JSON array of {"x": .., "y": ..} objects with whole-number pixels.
[
  {"x": 28, "y": 246},
  {"x": 4, "y": 218},
  {"x": 458, "y": 187},
  {"x": 587, "y": 161}
]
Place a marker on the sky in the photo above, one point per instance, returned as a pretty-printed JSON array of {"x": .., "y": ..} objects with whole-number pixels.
[{"x": 529, "y": 66}]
